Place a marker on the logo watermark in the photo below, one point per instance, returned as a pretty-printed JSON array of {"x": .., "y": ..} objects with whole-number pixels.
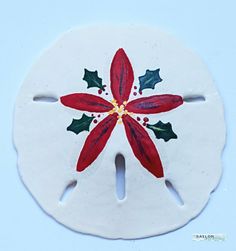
[{"x": 209, "y": 237}]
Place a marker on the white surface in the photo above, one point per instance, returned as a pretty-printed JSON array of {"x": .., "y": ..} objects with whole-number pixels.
[{"x": 48, "y": 153}]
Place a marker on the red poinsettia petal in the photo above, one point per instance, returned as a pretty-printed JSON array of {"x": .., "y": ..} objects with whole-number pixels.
[
  {"x": 154, "y": 104},
  {"x": 86, "y": 102},
  {"x": 122, "y": 77},
  {"x": 142, "y": 146},
  {"x": 96, "y": 141}
]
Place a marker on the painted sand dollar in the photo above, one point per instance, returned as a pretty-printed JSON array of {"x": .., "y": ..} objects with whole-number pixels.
[{"x": 119, "y": 132}]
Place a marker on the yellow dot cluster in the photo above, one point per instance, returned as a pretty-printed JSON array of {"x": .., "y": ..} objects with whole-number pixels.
[{"x": 119, "y": 109}]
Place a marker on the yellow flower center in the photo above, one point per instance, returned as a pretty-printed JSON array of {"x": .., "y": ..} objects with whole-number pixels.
[{"x": 119, "y": 109}]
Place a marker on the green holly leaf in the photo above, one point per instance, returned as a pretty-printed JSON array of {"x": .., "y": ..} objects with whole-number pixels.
[
  {"x": 79, "y": 125},
  {"x": 162, "y": 131},
  {"x": 149, "y": 80},
  {"x": 91, "y": 77}
]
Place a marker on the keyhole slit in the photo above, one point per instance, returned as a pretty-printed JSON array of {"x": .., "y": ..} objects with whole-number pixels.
[
  {"x": 174, "y": 193},
  {"x": 68, "y": 191},
  {"x": 45, "y": 99},
  {"x": 120, "y": 176},
  {"x": 194, "y": 98}
]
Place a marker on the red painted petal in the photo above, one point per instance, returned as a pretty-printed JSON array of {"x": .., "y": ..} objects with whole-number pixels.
[
  {"x": 122, "y": 77},
  {"x": 154, "y": 104},
  {"x": 96, "y": 141},
  {"x": 86, "y": 102},
  {"x": 142, "y": 146}
]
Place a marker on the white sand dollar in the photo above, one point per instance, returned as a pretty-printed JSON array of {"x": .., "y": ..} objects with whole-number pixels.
[{"x": 102, "y": 92}]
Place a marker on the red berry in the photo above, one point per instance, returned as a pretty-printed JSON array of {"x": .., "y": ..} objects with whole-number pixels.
[
  {"x": 135, "y": 93},
  {"x": 138, "y": 119},
  {"x": 135, "y": 87},
  {"x": 140, "y": 92},
  {"x": 144, "y": 124},
  {"x": 95, "y": 121},
  {"x": 99, "y": 115},
  {"x": 99, "y": 91},
  {"x": 145, "y": 119}
]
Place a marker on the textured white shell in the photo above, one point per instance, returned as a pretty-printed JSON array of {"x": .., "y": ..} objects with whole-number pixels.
[{"x": 47, "y": 152}]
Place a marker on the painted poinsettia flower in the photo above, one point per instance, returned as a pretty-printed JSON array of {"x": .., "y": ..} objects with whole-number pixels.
[{"x": 121, "y": 110}]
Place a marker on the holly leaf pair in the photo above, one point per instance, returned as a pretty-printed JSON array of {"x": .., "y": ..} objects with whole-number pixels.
[
  {"x": 162, "y": 131},
  {"x": 79, "y": 125},
  {"x": 92, "y": 79},
  {"x": 149, "y": 80}
]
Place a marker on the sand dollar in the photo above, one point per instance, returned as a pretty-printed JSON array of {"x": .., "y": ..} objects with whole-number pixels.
[{"x": 119, "y": 132}]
